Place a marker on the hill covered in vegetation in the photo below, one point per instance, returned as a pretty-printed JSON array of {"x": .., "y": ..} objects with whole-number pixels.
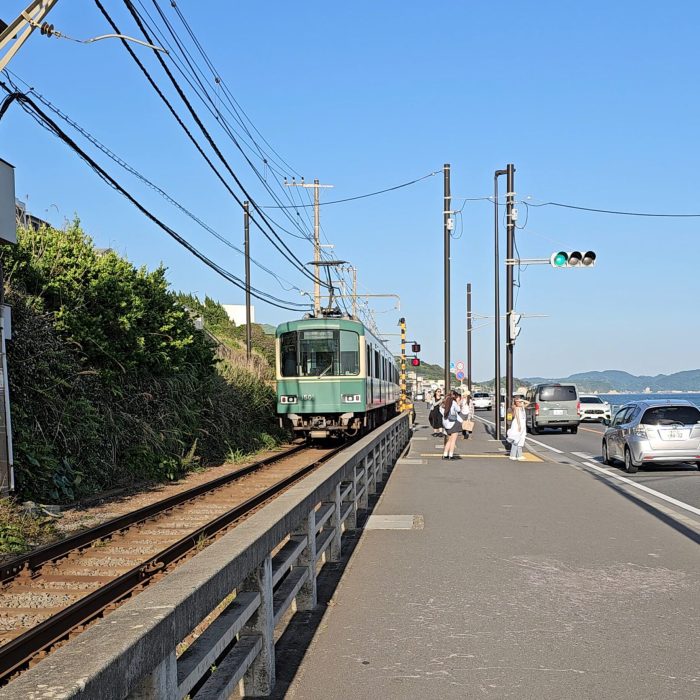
[{"x": 110, "y": 382}]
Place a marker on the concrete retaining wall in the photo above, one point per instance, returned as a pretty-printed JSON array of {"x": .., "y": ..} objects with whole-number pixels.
[{"x": 269, "y": 561}]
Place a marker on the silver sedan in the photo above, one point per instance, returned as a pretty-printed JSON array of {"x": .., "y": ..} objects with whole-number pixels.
[{"x": 653, "y": 431}]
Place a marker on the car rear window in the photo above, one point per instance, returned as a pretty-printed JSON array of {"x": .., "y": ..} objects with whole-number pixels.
[
  {"x": 558, "y": 393},
  {"x": 669, "y": 415},
  {"x": 591, "y": 399},
  {"x": 479, "y": 395}
]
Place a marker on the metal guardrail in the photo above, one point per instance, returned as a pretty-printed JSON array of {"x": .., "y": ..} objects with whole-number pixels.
[{"x": 258, "y": 570}]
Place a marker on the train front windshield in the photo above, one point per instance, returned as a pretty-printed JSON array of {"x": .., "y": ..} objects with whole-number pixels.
[{"x": 319, "y": 353}]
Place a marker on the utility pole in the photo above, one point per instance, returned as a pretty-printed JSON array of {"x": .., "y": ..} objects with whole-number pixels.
[
  {"x": 469, "y": 336},
  {"x": 354, "y": 292},
  {"x": 246, "y": 246},
  {"x": 497, "y": 302},
  {"x": 510, "y": 241},
  {"x": 317, "y": 237},
  {"x": 402, "y": 323},
  {"x": 447, "y": 230},
  {"x": 20, "y": 29}
]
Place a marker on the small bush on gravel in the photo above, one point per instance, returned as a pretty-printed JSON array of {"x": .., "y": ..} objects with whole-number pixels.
[{"x": 20, "y": 530}]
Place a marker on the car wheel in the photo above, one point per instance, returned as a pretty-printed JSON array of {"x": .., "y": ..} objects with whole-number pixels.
[
  {"x": 606, "y": 456},
  {"x": 533, "y": 429},
  {"x": 630, "y": 468},
  {"x": 574, "y": 430}
]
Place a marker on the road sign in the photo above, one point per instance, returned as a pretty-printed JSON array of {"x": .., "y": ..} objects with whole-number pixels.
[
  {"x": 460, "y": 375},
  {"x": 452, "y": 365},
  {"x": 460, "y": 365}
]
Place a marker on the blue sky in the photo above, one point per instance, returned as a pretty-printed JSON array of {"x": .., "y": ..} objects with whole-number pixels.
[{"x": 595, "y": 103}]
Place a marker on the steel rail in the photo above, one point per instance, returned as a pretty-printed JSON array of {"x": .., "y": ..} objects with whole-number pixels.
[
  {"x": 43, "y": 555},
  {"x": 17, "y": 652}
]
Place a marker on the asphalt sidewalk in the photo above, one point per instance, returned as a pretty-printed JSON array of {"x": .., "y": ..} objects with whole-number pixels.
[{"x": 485, "y": 577}]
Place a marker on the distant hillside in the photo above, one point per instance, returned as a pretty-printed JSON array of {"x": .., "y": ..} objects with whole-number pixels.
[
  {"x": 617, "y": 380},
  {"x": 426, "y": 370}
]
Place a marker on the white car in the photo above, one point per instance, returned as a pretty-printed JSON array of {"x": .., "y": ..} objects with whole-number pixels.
[
  {"x": 593, "y": 407},
  {"x": 482, "y": 401}
]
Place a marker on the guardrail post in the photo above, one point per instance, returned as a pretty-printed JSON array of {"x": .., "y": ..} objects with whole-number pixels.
[
  {"x": 372, "y": 469},
  {"x": 161, "y": 683},
  {"x": 306, "y": 597},
  {"x": 259, "y": 679},
  {"x": 336, "y": 544},
  {"x": 363, "y": 501},
  {"x": 351, "y": 520},
  {"x": 368, "y": 477}
]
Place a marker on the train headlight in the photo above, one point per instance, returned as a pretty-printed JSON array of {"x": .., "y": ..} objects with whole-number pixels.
[
  {"x": 288, "y": 399},
  {"x": 352, "y": 398}
]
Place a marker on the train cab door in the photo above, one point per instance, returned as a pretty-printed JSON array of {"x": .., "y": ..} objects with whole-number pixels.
[{"x": 369, "y": 374}]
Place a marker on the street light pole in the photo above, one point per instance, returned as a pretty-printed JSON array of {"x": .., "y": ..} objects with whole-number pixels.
[
  {"x": 497, "y": 302},
  {"x": 510, "y": 239},
  {"x": 469, "y": 336},
  {"x": 446, "y": 231},
  {"x": 246, "y": 246}
]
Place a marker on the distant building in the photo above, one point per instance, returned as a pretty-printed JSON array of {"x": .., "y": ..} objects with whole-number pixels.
[
  {"x": 25, "y": 219},
  {"x": 236, "y": 312}
]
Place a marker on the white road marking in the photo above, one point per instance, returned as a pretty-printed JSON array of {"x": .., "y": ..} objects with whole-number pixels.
[
  {"x": 583, "y": 455},
  {"x": 537, "y": 442},
  {"x": 613, "y": 475},
  {"x": 641, "y": 487}
]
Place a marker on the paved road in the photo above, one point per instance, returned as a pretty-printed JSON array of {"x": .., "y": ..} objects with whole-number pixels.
[{"x": 679, "y": 481}]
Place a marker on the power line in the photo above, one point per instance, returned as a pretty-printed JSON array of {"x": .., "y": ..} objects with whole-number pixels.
[
  {"x": 192, "y": 74},
  {"x": 294, "y": 259},
  {"x": 193, "y": 113},
  {"x": 613, "y": 211},
  {"x": 364, "y": 196},
  {"x": 123, "y": 164},
  {"x": 31, "y": 108}
]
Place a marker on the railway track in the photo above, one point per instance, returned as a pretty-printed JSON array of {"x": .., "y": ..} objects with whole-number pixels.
[{"x": 52, "y": 593}]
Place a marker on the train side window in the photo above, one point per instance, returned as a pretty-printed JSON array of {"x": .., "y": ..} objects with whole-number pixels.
[
  {"x": 288, "y": 354},
  {"x": 368, "y": 369},
  {"x": 349, "y": 353},
  {"x": 376, "y": 364}
]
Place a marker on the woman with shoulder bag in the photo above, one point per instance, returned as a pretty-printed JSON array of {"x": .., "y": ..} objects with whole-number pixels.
[
  {"x": 517, "y": 432},
  {"x": 452, "y": 423}
]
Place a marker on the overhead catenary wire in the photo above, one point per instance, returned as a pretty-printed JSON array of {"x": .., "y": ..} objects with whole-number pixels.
[
  {"x": 293, "y": 259},
  {"x": 194, "y": 77},
  {"x": 193, "y": 113},
  {"x": 31, "y": 108},
  {"x": 212, "y": 106}
]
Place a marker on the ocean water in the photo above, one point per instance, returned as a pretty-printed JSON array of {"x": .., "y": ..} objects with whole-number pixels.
[{"x": 620, "y": 399}]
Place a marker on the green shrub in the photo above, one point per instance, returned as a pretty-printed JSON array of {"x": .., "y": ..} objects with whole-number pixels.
[{"x": 110, "y": 382}]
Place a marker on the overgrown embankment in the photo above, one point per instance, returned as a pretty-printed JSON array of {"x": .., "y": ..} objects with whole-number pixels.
[{"x": 110, "y": 382}]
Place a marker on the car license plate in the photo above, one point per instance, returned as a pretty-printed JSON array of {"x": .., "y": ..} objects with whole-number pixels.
[
  {"x": 558, "y": 412},
  {"x": 674, "y": 434}
]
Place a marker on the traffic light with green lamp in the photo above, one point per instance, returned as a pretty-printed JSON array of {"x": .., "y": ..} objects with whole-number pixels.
[{"x": 574, "y": 258}]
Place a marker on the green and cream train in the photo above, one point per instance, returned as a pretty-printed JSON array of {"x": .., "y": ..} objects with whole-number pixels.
[{"x": 334, "y": 378}]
